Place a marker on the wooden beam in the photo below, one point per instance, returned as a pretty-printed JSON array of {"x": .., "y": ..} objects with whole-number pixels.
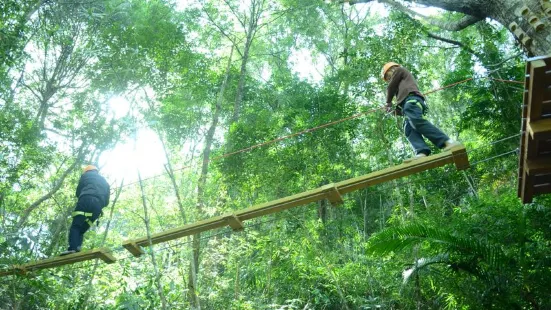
[
  {"x": 332, "y": 192},
  {"x": 133, "y": 248},
  {"x": 521, "y": 160},
  {"x": 541, "y": 129},
  {"x": 333, "y": 195},
  {"x": 234, "y": 222},
  {"x": 460, "y": 157},
  {"x": 542, "y": 184},
  {"x": 535, "y": 155},
  {"x": 546, "y": 108},
  {"x": 527, "y": 191},
  {"x": 542, "y": 179},
  {"x": 542, "y": 189},
  {"x": 398, "y": 171},
  {"x": 544, "y": 148},
  {"x": 102, "y": 253},
  {"x": 530, "y": 147},
  {"x": 536, "y": 88},
  {"x": 537, "y": 166}
]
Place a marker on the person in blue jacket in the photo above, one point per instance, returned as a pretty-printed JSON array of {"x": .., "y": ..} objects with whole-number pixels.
[{"x": 93, "y": 195}]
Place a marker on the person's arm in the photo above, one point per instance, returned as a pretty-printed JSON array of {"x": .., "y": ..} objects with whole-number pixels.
[
  {"x": 392, "y": 88},
  {"x": 108, "y": 193},
  {"x": 79, "y": 187}
]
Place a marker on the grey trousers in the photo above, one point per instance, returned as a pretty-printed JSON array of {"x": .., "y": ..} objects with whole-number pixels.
[{"x": 416, "y": 127}]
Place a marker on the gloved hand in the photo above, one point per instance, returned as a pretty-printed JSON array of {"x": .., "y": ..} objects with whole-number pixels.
[{"x": 394, "y": 111}]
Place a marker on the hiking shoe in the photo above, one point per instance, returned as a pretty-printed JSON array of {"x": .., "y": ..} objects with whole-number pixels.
[
  {"x": 67, "y": 252},
  {"x": 416, "y": 157},
  {"x": 450, "y": 144}
]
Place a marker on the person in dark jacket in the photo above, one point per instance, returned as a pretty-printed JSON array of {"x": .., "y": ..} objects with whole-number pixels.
[
  {"x": 411, "y": 104},
  {"x": 93, "y": 195}
]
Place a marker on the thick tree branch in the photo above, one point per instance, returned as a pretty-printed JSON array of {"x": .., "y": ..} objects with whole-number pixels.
[
  {"x": 474, "y": 8},
  {"x": 54, "y": 190},
  {"x": 461, "y": 24},
  {"x": 456, "y": 43}
]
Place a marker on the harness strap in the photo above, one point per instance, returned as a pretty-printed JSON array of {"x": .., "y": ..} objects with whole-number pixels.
[
  {"x": 88, "y": 215},
  {"x": 417, "y": 103}
]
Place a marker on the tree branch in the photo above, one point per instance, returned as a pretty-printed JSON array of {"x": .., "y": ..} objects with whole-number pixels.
[
  {"x": 54, "y": 190},
  {"x": 456, "y": 43},
  {"x": 461, "y": 24}
]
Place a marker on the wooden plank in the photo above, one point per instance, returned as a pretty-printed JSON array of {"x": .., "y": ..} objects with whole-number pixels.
[
  {"x": 542, "y": 179},
  {"x": 537, "y": 166},
  {"x": 460, "y": 157},
  {"x": 102, "y": 253},
  {"x": 527, "y": 191},
  {"x": 106, "y": 256},
  {"x": 537, "y": 88},
  {"x": 521, "y": 160},
  {"x": 544, "y": 148},
  {"x": 540, "y": 129},
  {"x": 542, "y": 189},
  {"x": 328, "y": 191},
  {"x": 535, "y": 150},
  {"x": 333, "y": 195},
  {"x": 234, "y": 222},
  {"x": 530, "y": 147},
  {"x": 542, "y": 184},
  {"x": 284, "y": 203},
  {"x": 398, "y": 171},
  {"x": 133, "y": 248},
  {"x": 11, "y": 271},
  {"x": 526, "y": 90},
  {"x": 546, "y": 106}
]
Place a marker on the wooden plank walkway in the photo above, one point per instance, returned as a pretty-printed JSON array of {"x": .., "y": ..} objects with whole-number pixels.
[
  {"x": 102, "y": 253},
  {"x": 534, "y": 172},
  {"x": 332, "y": 192}
]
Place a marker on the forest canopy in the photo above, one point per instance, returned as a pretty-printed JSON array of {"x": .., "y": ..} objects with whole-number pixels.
[{"x": 195, "y": 109}]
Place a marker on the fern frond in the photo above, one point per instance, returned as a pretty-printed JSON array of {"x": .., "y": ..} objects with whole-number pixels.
[{"x": 395, "y": 239}]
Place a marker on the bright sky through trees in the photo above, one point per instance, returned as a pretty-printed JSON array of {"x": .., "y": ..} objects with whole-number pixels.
[{"x": 146, "y": 152}]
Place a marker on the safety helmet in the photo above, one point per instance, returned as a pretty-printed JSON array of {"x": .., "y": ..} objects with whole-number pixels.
[
  {"x": 386, "y": 67},
  {"x": 89, "y": 168}
]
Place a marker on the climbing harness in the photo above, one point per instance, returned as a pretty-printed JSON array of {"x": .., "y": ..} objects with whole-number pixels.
[{"x": 87, "y": 215}]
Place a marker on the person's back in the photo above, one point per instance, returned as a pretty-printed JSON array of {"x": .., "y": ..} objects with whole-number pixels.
[
  {"x": 93, "y": 195},
  {"x": 93, "y": 184},
  {"x": 401, "y": 85}
]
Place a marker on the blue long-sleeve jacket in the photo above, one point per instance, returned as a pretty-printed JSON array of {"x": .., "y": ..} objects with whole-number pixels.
[{"x": 93, "y": 184}]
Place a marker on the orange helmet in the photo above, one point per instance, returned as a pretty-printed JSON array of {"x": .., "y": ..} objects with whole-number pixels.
[
  {"x": 387, "y": 66},
  {"x": 89, "y": 168}
]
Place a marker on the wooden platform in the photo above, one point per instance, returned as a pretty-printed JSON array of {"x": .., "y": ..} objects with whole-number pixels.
[
  {"x": 103, "y": 253},
  {"x": 534, "y": 173},
  {"x": 332, "y": 192}
]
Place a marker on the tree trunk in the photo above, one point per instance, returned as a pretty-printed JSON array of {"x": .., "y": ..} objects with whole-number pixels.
[
  {"x": 194, "y": 268},
  {"x": 60, "y": 222},
  {"x": 536, "y": 38},
  {"x": 255, "y": 11},
  {"x": 83, "y": 300},
  {"x": 241, "y": 84},
  {"x": 363, "y": 204},
  {"x": 151, "y": 250}
]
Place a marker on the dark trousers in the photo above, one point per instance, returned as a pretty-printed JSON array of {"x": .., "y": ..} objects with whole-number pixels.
[
  {"x": 416, "y": 127},
  {"x": 81, "y": 223}
]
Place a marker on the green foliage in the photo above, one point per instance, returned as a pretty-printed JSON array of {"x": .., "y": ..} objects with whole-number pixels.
[{"x": 440, "y": 239}]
